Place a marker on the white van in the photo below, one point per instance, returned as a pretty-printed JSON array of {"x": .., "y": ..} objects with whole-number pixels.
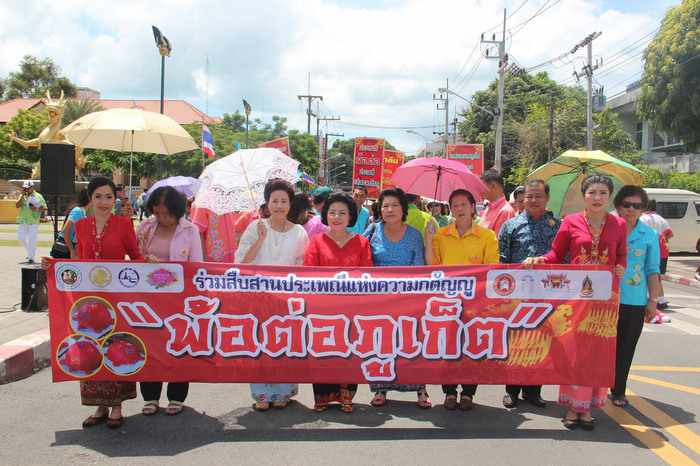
[{"x": 682, "y": 210}]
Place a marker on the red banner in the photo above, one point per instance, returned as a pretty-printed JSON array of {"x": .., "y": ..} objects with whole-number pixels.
[
  {"x": 282, "y": 144},
  {"x": 472, "y": 155},
  {"x": 367, "y": 165},
  {"x": 392, "y": 160},
  {"x": 210, "y": 322}
]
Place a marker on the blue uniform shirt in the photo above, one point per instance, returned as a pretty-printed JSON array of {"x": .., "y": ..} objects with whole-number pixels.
[
  {"x": 642, "y": 261},
  {"x": 361, "y": 223},
  {"x": 523, "y": 236}
]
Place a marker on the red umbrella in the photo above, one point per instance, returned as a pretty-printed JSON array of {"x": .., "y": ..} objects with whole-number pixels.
[{"x": 436, "y": 178}]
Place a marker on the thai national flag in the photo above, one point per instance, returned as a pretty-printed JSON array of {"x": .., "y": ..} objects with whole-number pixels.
[
  {"x": 307, "y": 178},
  {"x": 207, "y": 142}
]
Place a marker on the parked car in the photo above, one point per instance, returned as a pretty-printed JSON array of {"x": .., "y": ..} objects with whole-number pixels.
[{"x": 682, "y": 210}]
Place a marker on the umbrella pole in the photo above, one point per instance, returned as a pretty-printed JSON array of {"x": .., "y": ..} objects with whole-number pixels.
[
  {"x": 131, "y": 162},
  {"x": 437, "y": 183}
]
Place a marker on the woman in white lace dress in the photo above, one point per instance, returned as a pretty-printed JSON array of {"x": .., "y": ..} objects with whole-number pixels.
[{"x": 273, "y": 241}]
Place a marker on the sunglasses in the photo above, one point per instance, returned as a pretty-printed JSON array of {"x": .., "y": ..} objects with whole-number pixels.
[{"x": 632, "y": 205}]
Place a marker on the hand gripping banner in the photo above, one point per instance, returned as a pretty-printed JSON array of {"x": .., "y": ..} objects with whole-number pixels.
[{"x": 210, "y": 322}]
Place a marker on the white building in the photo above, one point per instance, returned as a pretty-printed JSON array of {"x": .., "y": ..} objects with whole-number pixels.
[{"x": 658, "y": 149}]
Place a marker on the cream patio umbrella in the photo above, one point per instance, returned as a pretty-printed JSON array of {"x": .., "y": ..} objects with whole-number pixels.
[{"x": 129, "y": 130}]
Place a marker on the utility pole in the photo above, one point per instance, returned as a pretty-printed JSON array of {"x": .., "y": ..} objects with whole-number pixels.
[
  {"x": 324, "y": 166},
  {"x": 502, "y": 65},
  {"x": 323, "y": 148},
  {"x": 454, "y": 128},
  {"x": 444, "y": 97},
  {"x": 588, "y": 72},
  {"x": 550, "y": 151},
  {"x": 310, "y": 98}
]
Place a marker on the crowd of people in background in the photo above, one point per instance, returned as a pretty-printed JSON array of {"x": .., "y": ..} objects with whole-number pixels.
[{"x": 336, "y": 229}]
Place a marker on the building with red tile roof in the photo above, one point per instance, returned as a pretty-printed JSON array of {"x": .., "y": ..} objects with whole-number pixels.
[{"x": 179, "y": 110}]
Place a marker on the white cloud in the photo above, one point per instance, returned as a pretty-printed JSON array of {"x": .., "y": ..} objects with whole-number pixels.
[{"x": 378, "y": 65}]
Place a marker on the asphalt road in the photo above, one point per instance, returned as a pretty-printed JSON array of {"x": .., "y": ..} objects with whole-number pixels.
[{"x": 40, "y": 422}]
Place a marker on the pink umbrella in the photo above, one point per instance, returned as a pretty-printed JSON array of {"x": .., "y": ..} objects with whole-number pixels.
[{"x": 436, "y": 178}]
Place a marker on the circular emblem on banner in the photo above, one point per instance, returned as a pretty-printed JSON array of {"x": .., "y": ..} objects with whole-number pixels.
[
  {"x": 69, "y": 276},
  {"x": 124, "y": 353},
  {"x": 504, "y": 284},
  {"x": 128, "y": 277},
  {"x": 100, "y": 276}
]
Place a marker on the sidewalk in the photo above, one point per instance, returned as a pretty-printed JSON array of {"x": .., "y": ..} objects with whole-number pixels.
[
  {"x": 24, "y": 336},
  {"x": 681, "y": 270}
]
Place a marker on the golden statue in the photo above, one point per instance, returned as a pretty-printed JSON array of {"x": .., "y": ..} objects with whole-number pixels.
[{"x": 52, "y": 133}]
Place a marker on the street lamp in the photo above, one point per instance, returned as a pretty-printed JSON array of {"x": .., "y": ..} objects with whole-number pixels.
[
  {"x": 247, "y": 108},
  {"x": 338, "y": 175},
  {"x": 427, "y": 140},
  {"x": 164, "y": 48}
]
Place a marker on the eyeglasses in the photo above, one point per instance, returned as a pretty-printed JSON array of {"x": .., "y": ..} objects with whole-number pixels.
[{"x": 632, "y": 205}]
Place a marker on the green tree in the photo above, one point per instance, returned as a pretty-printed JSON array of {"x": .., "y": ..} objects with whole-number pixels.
[
  {"x": 279, "y": 126},
  {"x": 234, "y": 121},
  {"x": 27, "y": 124},
  {"x": 76, "y": 108},
  {"x": 35, "y": 77},
  {"x": 671, "y": 81}
]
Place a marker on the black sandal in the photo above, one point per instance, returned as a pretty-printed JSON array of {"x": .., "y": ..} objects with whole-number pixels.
[
  {"x": 587, "y": 425},
  {"x": 571, "y": 424},
  {"x": 620, "y": 401}
]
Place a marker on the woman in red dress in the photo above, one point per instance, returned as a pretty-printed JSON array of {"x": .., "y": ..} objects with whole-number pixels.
[
  {"x": 337, "y": 247},
  {"x": 106, "y": 236},
  {"x": 592, "y": 237}
]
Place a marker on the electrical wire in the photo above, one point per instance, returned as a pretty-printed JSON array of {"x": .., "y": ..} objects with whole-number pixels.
[{"x": 542, "y": 10}]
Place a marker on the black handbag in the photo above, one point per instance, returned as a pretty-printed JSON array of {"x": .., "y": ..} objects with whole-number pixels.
[{"x": 59, "y": 250}]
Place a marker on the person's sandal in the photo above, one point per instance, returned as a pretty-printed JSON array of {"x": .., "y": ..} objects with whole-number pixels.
[
  {"x": 424, "y": 400},
  {"x": 115, "y": 423},
  {"x": 261, "y": 406},
  {"x": 92, "y": 421},
  {"x": 280, "y": 404},
  {"x": 346, "y": 407},
  {"x": 569, "y": 423},
  {"x": 378, "y": 400},
  {"x": 620, "y": 401},
  {"x": 450, "y": 402},
  {"x": 320, "y": 407},
  {"x": 150, "y": 408},
  {"x": 587, "y": 425},
  {"x": 465, "y": 403},
  {"x": 174, "y": 408}
]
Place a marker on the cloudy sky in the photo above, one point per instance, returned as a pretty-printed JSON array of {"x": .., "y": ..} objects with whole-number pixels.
[{"x": 375, "y": 62}]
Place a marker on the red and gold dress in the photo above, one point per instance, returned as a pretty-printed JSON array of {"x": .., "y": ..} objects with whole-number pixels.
[
  {"x": 577, "y": 243},
  {"x": 116, "y": 241},
  {"x": 323, "y": 251}
]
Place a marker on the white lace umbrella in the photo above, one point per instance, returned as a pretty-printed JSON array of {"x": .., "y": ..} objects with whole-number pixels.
[{"x": 236, "y": 182}]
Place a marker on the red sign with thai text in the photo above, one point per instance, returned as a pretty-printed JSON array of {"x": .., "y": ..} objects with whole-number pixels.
[
  {"x": 211, "y": 322},
  {"x": 472, "y": 155},
  {"x": 367, "y": 165},
  {"x": 392, "y": 160},
  {"x": 281, "y": 144}
]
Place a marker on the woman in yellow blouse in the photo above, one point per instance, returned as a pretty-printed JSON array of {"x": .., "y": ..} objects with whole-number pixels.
[{"x": 462, "y": 242}]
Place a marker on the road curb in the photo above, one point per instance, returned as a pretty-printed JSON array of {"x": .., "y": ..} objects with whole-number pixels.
[
  {"x": 680, "y": 280},
  {"x": 20, "y": 358}
]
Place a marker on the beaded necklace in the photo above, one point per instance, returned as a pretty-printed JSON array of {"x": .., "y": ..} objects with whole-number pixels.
[
  {"x": 595, "y": 236},
  {"x": 97, "y": 238}
]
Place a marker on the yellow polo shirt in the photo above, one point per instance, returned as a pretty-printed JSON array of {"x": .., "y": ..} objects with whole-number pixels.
[{"x": 477, "y": 246}]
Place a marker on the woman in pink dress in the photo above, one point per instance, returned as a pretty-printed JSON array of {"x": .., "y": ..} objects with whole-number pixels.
[
  {"x": 590, "y": 237},
  {"x": 337, "y": 247},
  {"x": 166, "y": 235}
]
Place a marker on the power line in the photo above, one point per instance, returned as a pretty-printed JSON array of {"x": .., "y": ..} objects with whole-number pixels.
[
  {"x": 542, "y": 10},
  {"x": 509, "y": 16},
  {"x": 374, "y": 126}
]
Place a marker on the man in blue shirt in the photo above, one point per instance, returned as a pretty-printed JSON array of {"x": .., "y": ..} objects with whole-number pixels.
[
  {"x": 529, "y": 234},
  {"x": 359, "y": 195}
]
